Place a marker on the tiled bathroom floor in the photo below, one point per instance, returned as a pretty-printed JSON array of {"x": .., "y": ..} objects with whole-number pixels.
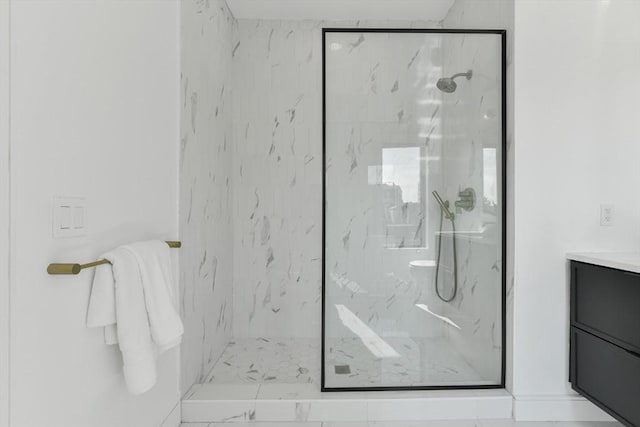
[{"x": 407, "y": 362}]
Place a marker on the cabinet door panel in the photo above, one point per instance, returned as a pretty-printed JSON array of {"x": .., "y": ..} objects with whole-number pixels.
[
  {"x": 606, "y": 302},
  {"x": 607, "y": 375}
]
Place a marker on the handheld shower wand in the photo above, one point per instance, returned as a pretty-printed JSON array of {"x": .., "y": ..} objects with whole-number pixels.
[
  {"x": 444, "y": 206},
  {"x": 445, "y": 212}
]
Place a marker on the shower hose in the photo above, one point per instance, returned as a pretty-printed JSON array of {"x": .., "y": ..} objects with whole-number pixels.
[{"x": 455, "y": 260}]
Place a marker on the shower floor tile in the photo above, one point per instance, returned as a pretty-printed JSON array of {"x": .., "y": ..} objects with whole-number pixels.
[
  {"x": 267, "y": 360},
  {"x": 410, "y": 362},
  {"x": 350, "y": 363}
]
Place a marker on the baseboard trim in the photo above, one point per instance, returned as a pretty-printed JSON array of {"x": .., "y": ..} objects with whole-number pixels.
[{"x": 557, "y": 408}]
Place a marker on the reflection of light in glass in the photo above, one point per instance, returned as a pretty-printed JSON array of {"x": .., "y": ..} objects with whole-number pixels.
[
  {"x": 490, "y": 175},
  {"x": 490, "y": 114},
  {"x": 443, "y": 318},
  {"x": 343, "y": 282},
  {"x": 374, "y": 175},
  {"x": 401, "y": 167},
  {"x": 431, "y": 136},
  {"x": 335, "y": 46},
  {"x": 374, "y": 343},
  {"x": 429, "y": 101}
]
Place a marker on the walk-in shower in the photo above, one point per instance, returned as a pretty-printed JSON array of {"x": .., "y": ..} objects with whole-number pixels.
[{"x": 413, "y": 236}]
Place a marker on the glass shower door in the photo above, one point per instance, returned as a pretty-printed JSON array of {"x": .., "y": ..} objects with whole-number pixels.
[{"x": 413, "y": 282}]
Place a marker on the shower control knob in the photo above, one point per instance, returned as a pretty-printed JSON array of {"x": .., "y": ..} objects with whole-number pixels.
[{"x": 467, "y": 200}]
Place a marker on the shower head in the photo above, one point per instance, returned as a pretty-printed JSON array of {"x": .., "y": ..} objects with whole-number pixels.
[
  {"x": 444, "y": 206},
  {"x": 448, "y": 85}
]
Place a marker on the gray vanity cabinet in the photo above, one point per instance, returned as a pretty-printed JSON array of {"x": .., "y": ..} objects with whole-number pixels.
[{"x": 605, "y": 339}]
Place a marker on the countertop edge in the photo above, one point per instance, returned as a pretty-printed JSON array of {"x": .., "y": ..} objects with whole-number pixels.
[{"x": 626, "y": 261}]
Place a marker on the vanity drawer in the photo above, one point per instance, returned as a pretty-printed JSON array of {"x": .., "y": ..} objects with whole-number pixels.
[
  {"x": 606, "y": 302},
  {"x": 606, "y": 374}
]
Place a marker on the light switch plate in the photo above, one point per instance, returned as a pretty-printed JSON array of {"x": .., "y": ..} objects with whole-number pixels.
[
  {"x": 69, "y": 217},
  {"x": 606, "y": 215}
]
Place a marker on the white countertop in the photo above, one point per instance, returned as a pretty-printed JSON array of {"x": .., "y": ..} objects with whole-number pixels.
[{"x": 627, "y": 261}]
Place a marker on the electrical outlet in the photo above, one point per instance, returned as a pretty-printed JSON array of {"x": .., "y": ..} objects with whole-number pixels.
[{"x": 606, "y": 215}]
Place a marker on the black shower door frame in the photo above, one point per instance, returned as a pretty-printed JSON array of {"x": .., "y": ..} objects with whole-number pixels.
[{"x": 503, "y": 37}]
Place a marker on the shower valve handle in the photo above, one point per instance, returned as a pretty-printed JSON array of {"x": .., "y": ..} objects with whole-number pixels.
[{"x": 467, "y": 200}]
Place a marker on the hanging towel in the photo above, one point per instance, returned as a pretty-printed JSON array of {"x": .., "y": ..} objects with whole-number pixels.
[
  {"x": 132, "y": 300},
  {"x": 102, "y": 303},
  {"x": 154, "y": 260}
]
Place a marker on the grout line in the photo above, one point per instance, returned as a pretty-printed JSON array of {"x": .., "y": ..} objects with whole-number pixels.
[
  {"x": 206, "y": 377},
  {"x": 258, "y": 391},
  {"x": 171, "y": 413}
]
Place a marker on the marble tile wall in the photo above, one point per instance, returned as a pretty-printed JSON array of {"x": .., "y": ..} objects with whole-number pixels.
[
  {"x": 251, "y": 201},
  {"x": 381, "y": 98},
  {"x": 206, "y": 218},
  {"x": 277, "y": 179},
  {"x": 277, "y": 175},
  {"x": 476, "y": 104}
]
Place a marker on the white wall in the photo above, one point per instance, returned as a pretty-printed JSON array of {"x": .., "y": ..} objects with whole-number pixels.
[
  {"x": 576, "y": 130},
  {"x": 206, "y": 226},
  {"x": 94, "y": 112},
  {"x": 4, "y": 213}
]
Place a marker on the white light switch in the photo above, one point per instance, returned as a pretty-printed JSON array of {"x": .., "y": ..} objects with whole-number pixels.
[
  {"x": 64, "y": 217},
  {"x": 77, "y": 217},
  {"x": 69, "y": 217}
]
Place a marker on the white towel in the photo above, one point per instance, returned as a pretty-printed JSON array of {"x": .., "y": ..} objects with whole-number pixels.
[
  {"x": 154, "y": 260},
  {"x": 136, "y": 295},
  {"x": 102, "y": 303}
]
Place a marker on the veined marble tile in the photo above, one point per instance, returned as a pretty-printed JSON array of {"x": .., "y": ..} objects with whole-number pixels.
[
  {"x": 206, "y": 261},
  {"x": 225, "y": 392},
  {"x": 251, "y": 206},
  {"x": 431, "y": 361},
  {"x": 278, "y": 391},
  {"x": 277, "y": 179},
  {"x": 334, "y": 410},
  {"x": 218, "y": 411},
  {"x": 262, "y": 360}
]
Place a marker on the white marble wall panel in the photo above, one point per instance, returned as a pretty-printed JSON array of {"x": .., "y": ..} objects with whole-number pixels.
[
  {"x": 381, "y": 96},
  {"x": 278, "y": 177},
  {"x": 473, "y": 123},
  {"x": 276, "y": 168},
  {"x": 206, "y": 219}
]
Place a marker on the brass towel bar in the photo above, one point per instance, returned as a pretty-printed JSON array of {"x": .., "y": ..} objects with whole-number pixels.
[{"x": 76, "y": 268}]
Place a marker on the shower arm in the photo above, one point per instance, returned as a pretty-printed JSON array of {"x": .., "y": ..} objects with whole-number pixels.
[{"x": 468, "y": 75}]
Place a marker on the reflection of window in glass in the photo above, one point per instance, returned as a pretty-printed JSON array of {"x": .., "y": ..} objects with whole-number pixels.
[
  {"x": 403, "y": 187},
  {"x": 490, "y": 179}
]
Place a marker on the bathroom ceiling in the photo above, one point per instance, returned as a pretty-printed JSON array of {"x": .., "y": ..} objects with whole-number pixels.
[{"x": 430, "y": 10}]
